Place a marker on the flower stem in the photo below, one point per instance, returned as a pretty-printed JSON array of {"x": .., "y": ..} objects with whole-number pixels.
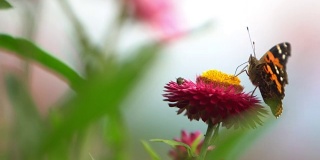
[
  {"x": 206, "y": 141},
  {"x": 215, "y": 134}
]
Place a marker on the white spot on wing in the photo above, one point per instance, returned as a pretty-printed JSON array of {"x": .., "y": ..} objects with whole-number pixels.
[
  {"x": 283, "y": 56},
  {"x": 281, "y": 79},
  {"x": 279, "y": 49},
  {"x": 276, "y": 69}
]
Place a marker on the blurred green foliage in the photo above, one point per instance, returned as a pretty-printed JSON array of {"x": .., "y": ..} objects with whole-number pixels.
[
  {"x": 5, "y": 5},
  {"x": 95, "y": 105},
  {"x": 97, "y": 96}
]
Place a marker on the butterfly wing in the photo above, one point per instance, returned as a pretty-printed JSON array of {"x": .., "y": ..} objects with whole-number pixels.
[
  {"x": 281, "y": 51},
  {"x": 271, "y": 96},
  {"x": 275, "y": 61},
  {"x": 274, "y": 76}
]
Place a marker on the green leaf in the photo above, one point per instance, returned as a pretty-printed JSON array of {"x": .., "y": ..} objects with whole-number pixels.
[
  {"x": 101, "y": 96},
  {"x": 151, "y": 152},
  {"x": 232, "y": 143},
  {"x": 28, "y": 129},
  {"x": 27, "y": 49},
  {"x": 5, "y": 5},
  {"x": 195, "y": 143},
  {"x": 174, "y": 143}
]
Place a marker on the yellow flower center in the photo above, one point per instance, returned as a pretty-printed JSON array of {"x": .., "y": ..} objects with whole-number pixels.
[{"x": 222, "y": 79}]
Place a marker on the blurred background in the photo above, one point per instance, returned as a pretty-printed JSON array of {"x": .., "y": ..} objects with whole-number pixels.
[{"x": 197, "y": 36}]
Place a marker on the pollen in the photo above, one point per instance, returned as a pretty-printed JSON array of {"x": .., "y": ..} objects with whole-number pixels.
[{"x": 221, "y": 79}]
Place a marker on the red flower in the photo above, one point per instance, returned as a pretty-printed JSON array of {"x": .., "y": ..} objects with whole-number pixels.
[
  {"x": 180, "y": 152},
  {"x": 215, "y": 97},
  {"x": 160, "y": 14}
]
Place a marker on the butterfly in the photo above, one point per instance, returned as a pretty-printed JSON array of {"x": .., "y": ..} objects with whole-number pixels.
[{"x": 270, "y": 75}]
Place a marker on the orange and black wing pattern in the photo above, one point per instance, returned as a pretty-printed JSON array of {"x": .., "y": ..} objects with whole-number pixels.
[{"x": 271, "y": 76}]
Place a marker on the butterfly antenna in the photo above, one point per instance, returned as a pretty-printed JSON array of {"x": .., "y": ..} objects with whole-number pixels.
[{"x": 252, "y": 43}]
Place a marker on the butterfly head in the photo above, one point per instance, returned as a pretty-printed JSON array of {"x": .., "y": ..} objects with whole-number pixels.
[
  {"x": 252, "y": 60},
  {"x": 252, "y": 69}
]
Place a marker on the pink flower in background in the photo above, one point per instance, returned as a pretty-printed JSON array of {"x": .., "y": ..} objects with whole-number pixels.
[
  {"x": 160, "y": 14},
  {"x": 180, "y": 152}
]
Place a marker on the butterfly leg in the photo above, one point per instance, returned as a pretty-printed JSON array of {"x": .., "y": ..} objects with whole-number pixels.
[
  {"x": 244, "y": 69},
  {"x": 254, "y": 90}
]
